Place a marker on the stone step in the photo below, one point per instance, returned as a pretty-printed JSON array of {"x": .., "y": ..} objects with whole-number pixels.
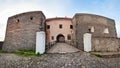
[{"x": 108, "y": 54}]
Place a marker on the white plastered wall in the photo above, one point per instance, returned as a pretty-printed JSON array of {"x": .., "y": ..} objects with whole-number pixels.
[
  {"x": 40, "y": 42},
  {"x": 87, "y": 42}
]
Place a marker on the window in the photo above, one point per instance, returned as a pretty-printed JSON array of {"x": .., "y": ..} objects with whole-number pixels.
[
  {"x": 17, "y": 20},
  {"x": 48, "y": 26},
  {"x": 91, "y": 29},
  {"x": 71, "y": 26},
  {"x": 31, "y": 18},
  {"x": 69, "y": 37},
  {"x": 60, "y": 26},
  {"x": 106, "y": 30},
  {"x": 52, "y": 37}
]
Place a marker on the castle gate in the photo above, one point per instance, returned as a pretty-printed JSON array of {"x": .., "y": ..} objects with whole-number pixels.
[{"x": 60, "y": 38}]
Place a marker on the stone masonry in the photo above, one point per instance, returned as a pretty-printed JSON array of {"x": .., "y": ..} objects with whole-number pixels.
[
  {"x": 84, "y": 23},
  {"x": 21, "y": 31},
  {"x": 105, "y": 44}
]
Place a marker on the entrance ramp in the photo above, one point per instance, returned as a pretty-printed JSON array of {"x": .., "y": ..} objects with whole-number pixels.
[{"x": 62, "y": 48}]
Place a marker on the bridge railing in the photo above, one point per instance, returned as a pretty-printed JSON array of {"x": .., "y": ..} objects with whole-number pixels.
[
  {"x": 49, "y": 45},
  {"x": 68, "y": 42}
]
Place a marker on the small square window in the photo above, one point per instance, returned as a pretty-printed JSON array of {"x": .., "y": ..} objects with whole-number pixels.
[
  {"x": 48, "y": 26},
  {"x": 17, "y": 20},
  {"x": 60, "y": 26},
  {"x": 91, "y": 29},
  {"x": 52, "y": 37},
  {"x": 106, "y": 30},
  {"x": 31, "y": 18},
  {"x": 69, "y": 37},
  {"x": 71, "y": 26}
]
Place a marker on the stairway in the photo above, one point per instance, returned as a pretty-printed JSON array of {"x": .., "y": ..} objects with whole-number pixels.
[{"x": 62, "y": 48}]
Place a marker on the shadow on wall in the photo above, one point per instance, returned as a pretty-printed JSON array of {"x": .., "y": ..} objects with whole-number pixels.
[{"x": 1, "y": 44}]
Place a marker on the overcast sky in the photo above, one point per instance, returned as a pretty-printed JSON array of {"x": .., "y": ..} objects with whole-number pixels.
[{"x": 59, "y": 8}]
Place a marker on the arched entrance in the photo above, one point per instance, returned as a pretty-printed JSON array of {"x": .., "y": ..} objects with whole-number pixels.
[{"x": 60, "y": 38}]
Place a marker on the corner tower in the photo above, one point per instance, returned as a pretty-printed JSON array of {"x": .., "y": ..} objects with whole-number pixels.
[
  {"x": 97, "y": 25},
  {"x": 21, "y": 30}
]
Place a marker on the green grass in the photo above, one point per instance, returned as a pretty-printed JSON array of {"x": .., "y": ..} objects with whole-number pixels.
[
  {"x": 3, "y": 51},
  {"x": 25, "y": 53}
]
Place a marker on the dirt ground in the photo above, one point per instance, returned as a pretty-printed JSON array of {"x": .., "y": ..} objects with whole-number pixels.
[{"x": 69, "y": 60}]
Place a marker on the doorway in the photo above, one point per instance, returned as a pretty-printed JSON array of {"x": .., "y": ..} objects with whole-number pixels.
[{"x": 60, "y": 38}]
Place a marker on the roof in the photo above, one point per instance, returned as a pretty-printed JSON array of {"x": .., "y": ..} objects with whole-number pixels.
[
  {"x": 58, "y": 18},
  {"x": 20, "y": 14},
  {"x": 77, "y": 14}
]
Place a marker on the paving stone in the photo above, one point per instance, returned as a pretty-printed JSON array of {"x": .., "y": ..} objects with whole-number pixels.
[
  {"x": 62, "y": 48},
  {"x": 68, "y": 60}
]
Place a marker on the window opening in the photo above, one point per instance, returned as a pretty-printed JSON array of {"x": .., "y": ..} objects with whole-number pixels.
[
  {"x": 69, "y": 37},
  {"x": 71, "y": 26},
  {"x": 60, "y": 26},
  {"x": 48, "y": 26}
]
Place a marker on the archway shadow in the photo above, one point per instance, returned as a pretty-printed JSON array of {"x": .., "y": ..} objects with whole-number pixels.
[{"x": 60, "y": 38}]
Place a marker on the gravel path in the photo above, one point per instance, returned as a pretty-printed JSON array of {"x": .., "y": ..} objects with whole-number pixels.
[
  {"x": 62, "y": 48},
  {"x": 70, "y": 60}
]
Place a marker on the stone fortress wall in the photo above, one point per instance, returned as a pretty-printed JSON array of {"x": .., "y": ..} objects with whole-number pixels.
[
  {"x": 98, "y": 26},
  {"x": 105, "y": 44},
  {"x": 21, "y": 30}
]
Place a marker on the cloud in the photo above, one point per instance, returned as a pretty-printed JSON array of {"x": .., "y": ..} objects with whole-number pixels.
[
  {"x": 9, "y": 8},
  {"x": 53, "y": 8},
  {"x": 50, "y": 8}
]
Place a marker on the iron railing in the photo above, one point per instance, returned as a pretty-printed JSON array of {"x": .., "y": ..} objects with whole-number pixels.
[{"x": 49, "y": 45}]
